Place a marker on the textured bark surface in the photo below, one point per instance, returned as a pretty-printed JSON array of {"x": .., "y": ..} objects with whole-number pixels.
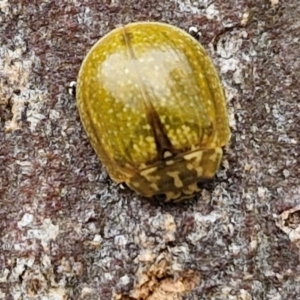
[{"x": 68, "y": 232}]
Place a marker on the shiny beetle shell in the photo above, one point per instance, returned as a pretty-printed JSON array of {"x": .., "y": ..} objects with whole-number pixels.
[{"x": 153, "y": 107}]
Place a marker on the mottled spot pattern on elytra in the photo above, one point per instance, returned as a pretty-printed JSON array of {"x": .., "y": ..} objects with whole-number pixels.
[
  {"x": 149, "y": 69},
  {"x": 178, "y": 179}
]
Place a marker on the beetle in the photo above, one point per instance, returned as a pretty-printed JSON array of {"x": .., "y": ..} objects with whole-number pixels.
[{"x": 153, "y": 107}]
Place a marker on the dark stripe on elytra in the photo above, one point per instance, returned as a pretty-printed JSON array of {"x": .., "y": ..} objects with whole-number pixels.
[{"x": 162, "y": 141}]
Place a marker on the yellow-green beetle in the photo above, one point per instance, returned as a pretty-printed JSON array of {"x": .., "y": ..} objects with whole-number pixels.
[{"x": 153, "y": 107}]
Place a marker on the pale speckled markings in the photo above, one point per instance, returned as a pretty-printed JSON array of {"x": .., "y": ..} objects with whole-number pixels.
[
  {"x": 177, "y": 181},
  {"x": 154, "y": 187},
  {"x": 191, "y": 189},
  {"x": 217, "y": 153},
  {"x": 194, "y": 162},
  {"x": 136, "y": 184},
  {"x": 151, "y": 174},
  {"x": 173, "y": 196},
  {"x": 170, "y": 162},
  {"x": 196, "y": 155},
  {"x": 148, "y": 171}
]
